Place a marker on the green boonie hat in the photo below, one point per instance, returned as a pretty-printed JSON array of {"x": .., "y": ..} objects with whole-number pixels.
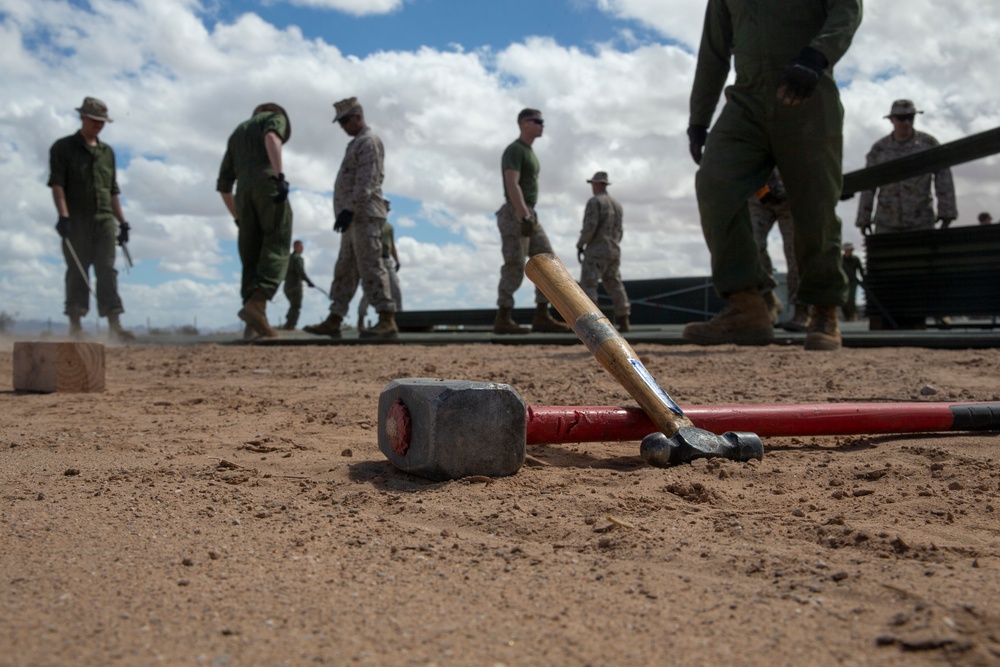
[
  {"x": 94, "y": 108},
  {"x": 600, "y": 177},
  {"x": 848, "y": 246},
  {"x": 345, "y": 107},
  {"x": 903, "y": 108}
]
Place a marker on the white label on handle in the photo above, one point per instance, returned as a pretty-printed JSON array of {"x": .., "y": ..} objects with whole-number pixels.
[{"x": 651, "y": 383}]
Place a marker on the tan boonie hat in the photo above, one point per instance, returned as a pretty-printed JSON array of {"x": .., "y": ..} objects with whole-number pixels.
[
  {"x": 345, "y": 107},
  {"x": 903, "y": 108},
  {"x": 94, "y": 108},
  {"x": 600, "y": 177}
]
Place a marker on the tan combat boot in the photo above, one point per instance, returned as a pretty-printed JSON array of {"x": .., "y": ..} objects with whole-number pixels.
[
  {"x": 745, "y": 320},
  {"x": 774, "y": 305},
  {"x": 254, "y": 313},
  {"x": 542, "y": 322},
  {"x": 116, "y": 332},
  {"x": 799, "y": 321},
  {"x": 624, "y": 326},
  {"x": 328, "y": 327},
  {"x": 823, "y": 333},
  {"x": 505, "y": 324},
  {"x": 75, "y": 326},
  {"x": 385, "y": 328}
]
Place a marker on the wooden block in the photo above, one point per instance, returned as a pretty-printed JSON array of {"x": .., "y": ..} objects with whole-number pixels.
[{"x": 67, "y": 367}]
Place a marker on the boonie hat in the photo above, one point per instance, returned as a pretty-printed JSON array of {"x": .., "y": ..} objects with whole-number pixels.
[
  {"x": 94, "y": 108},
  {"x": 345, "y": 107},
  {"x": 848, "y": 246},
  {"x": 600, "y": 177},
  {"x": 903, "y": 108}
]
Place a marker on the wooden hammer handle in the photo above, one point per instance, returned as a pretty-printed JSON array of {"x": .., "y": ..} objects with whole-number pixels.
[{"x": 604, "y": 341}]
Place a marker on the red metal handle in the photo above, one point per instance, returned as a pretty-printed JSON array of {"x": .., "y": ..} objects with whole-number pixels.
[{"x": 552, "y": 424}]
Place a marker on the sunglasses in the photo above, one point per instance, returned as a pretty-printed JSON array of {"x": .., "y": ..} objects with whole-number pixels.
[
  {"x": 343, "y": 120},
  {"x": 905, "y": 117},
  {"x": 536, "y": 121}
]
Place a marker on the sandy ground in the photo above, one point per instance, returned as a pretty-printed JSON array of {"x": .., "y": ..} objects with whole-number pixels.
[{"x": 226, "y": 505}]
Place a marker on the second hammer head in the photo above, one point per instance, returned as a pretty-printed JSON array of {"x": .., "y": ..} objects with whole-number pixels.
[{"x": 447, "y": 429}]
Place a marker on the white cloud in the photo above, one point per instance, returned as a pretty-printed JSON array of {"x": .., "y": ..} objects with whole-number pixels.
[{"x": 355, "y": 7}]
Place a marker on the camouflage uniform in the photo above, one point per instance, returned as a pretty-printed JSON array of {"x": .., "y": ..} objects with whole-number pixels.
[
  {"x": 294, "y": 278},
  {"x": 853, "y": 268},
  {"x": 756, "y": 132},
  {"x": 600, "y": 238},
  {"x": 519, "y": 239},
  {"x": 88, "y": 177},
  {"x": 265, "y": 234},
  {"x": 389, "y": 263},
  {"x": 359, "y": 189},
  {"x": 906, "y": 205},
  {"x": 764, "y": 212}
]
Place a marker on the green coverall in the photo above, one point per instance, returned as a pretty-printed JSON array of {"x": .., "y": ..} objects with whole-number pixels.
[
  {"x": 265, "y": 226},
  {"x": 756, "y": 132}
]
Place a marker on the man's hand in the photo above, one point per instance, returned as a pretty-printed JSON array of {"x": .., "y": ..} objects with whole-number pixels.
[
  {"x": 282, "y": 186},
  {"x": 801, "y": 76},
  {"x": 865, "y": 227},
  {"x": 397, "y": 267},
  {"x": 697, "y": 134},
  {"x": 310, "y": 283},
  {"x": 579, "y": 254},
  {"x": 343, "y": 220},
  {"x": 62, "y": 226},
  {"x": 123, "y": 229},
  {"x": 945, "y": 222},
  {"x": 236, "y": 221}
]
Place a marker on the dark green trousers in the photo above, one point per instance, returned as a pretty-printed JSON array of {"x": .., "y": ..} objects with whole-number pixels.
[
  {"x": 754, "y": 133},
  {"x": 265, "y": 235},
  {"x": 94, "y": 241}
]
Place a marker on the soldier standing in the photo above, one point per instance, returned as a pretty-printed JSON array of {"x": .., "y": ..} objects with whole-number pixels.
[
  {"x": 260, "y": 209},
  {"x": 294, "y": 278},
  {"x": 906, "y": 205},
  {"x": 782, "y": 111},
  {"x": 360, "y": 213},
  {"x": 853, "y": 268},
  {"x": 85, "y": 191},
  {"x": 521, "y": 235},
  {"x": 598, "y": 248}
]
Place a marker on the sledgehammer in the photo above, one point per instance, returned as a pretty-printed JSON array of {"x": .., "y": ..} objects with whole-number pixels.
[{"x": 677, "y": 440}]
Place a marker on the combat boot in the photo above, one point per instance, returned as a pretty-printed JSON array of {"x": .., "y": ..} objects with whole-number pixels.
[
  {"x": 328, "y": 327},
  {"x": 623, "y": 324},
  {"x": 823, "y": 333},
  {"x": 745, "y": 320},
  {"x": 116, "y": 332},
  {"x": 505, "y": 324},
  {"x": 542, "y": 322},
  {"x": 290, "y": 324},
  {"x": 249, "y": 333},
  {"x": 386, "y": 327},
  {"x": 361, "y": 322},
  {"x": 774, "y": 305},
  {"x": 75, "y": 326},
  {"x": 254, "y": 313},
  {"x": 799, "y": 321}
]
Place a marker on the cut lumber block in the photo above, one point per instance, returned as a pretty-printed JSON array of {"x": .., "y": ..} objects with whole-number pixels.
[{"x": 66, "y": 367}]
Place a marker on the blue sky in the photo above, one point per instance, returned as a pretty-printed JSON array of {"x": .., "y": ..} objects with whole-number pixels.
[{"x": 441, "y": 81}]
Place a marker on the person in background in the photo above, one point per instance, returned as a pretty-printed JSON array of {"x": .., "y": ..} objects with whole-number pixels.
[
  {"x": 294, "y": 277},
  {"x": 390, "y": 260},
  {"x": 599, "y": 251},
  {"x": 985, "y": 218},
  {"x": 855, "y": 271}
]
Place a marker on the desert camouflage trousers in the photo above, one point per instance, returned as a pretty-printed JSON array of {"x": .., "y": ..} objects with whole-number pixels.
[
  {"x": 599, "y": 267},
  {"x": 360, "y": 261},
  {"x": 519, "y": 241}
]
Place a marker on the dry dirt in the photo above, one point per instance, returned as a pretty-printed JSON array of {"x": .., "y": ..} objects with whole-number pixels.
[{"x": 226, "y": 505}]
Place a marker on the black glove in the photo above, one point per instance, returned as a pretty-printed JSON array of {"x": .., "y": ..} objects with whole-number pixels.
[
  {"x": 123, "y": 233},
  {"x": 697, "y": 134},
  {"x": 945, "y": 222},
  {"x": 310, "y": 283},
  {"x": 799, "y": 79},
  {"x": 527, "y": 226},
  {"x": 282, "y": 185},
  {"x": 579, "y": 254},
  {"x": 396, "y": 267},
  {"x": 63, "y": 226},
  {"x": 236, "y": 221},
  {"x": 866, "y": 230},
  {"x": 343, "y": 220}
]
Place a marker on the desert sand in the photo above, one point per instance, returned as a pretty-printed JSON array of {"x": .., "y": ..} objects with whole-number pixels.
[{"x": 228, "y": 505}]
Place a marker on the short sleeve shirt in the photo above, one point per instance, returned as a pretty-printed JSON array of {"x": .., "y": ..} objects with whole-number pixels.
[
  {"x": 85, "y": 173},
  {"x": 519, "y": 157},
  {"x": 246, "y": 152}
]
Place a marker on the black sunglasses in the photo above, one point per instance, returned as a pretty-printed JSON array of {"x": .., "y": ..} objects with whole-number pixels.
[
  {"x": 536, "y": 121},
  {"x": 905, "y": 117},
  {"x": 343, "y": 119}
]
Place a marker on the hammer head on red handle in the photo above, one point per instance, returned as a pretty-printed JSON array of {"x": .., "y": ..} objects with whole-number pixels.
[{"x": 690, "y": 443}]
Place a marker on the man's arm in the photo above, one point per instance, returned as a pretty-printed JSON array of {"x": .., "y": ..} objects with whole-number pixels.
[
  {"x": 511, "y": 184},
  {"x": 59, "y": 197},
  {"x": 116, "y": 209},
  {"x": 712, "y": 69},
  {"x": 591, "y": 214},
  {"x": 272, "y": 144},
  {"x": 366, "y": 177},
  {"x": 944, "y": 187},
  {"x": 866, "y": 202},
  {"x": 842, "y": 20},
  {"x": 227, "y": 199}
]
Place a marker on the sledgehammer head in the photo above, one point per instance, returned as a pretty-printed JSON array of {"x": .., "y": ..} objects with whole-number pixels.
[
  {"x": 691, "y": 443},
  {"x": 446, "y": 429}
]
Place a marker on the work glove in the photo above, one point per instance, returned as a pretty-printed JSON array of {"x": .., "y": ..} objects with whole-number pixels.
[
  {"x": 945, "y": 222},
  {"x": 310, "y": 283},
  {"x": 397, "y": 267},
  {"x": 799, "y": 79},
  {"x": 527, "y": 225},
  {"x": 62, "y": 226},
  {"x": 236, "y": 221},
  {"x": 866, "y": 228},
  {"x": 282, "y": 185},
  {"x": 343, "y": 220},
  {"x": 123, "y": 229},
  {"x": 579, "y": 254},
  {"x": 697, "y": 134}
]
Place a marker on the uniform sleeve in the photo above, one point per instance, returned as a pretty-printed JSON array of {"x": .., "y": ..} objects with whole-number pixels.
[
  {"x": 57, "y": 166},
  {"x": 278, "y": 124},
  {"x": 944, "y": 187},
  {"x": 114, "y": 174},
  {"x": 512, "y": 159},
  {"x": 366, "y": 181},
  {"x": 842, "y": 20},
  {"x": 227, "y": 175},
  {"x": 713, "y": 62},
  {"x": 591, "y": 214},
  {"x": 867, "y": 199}
]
